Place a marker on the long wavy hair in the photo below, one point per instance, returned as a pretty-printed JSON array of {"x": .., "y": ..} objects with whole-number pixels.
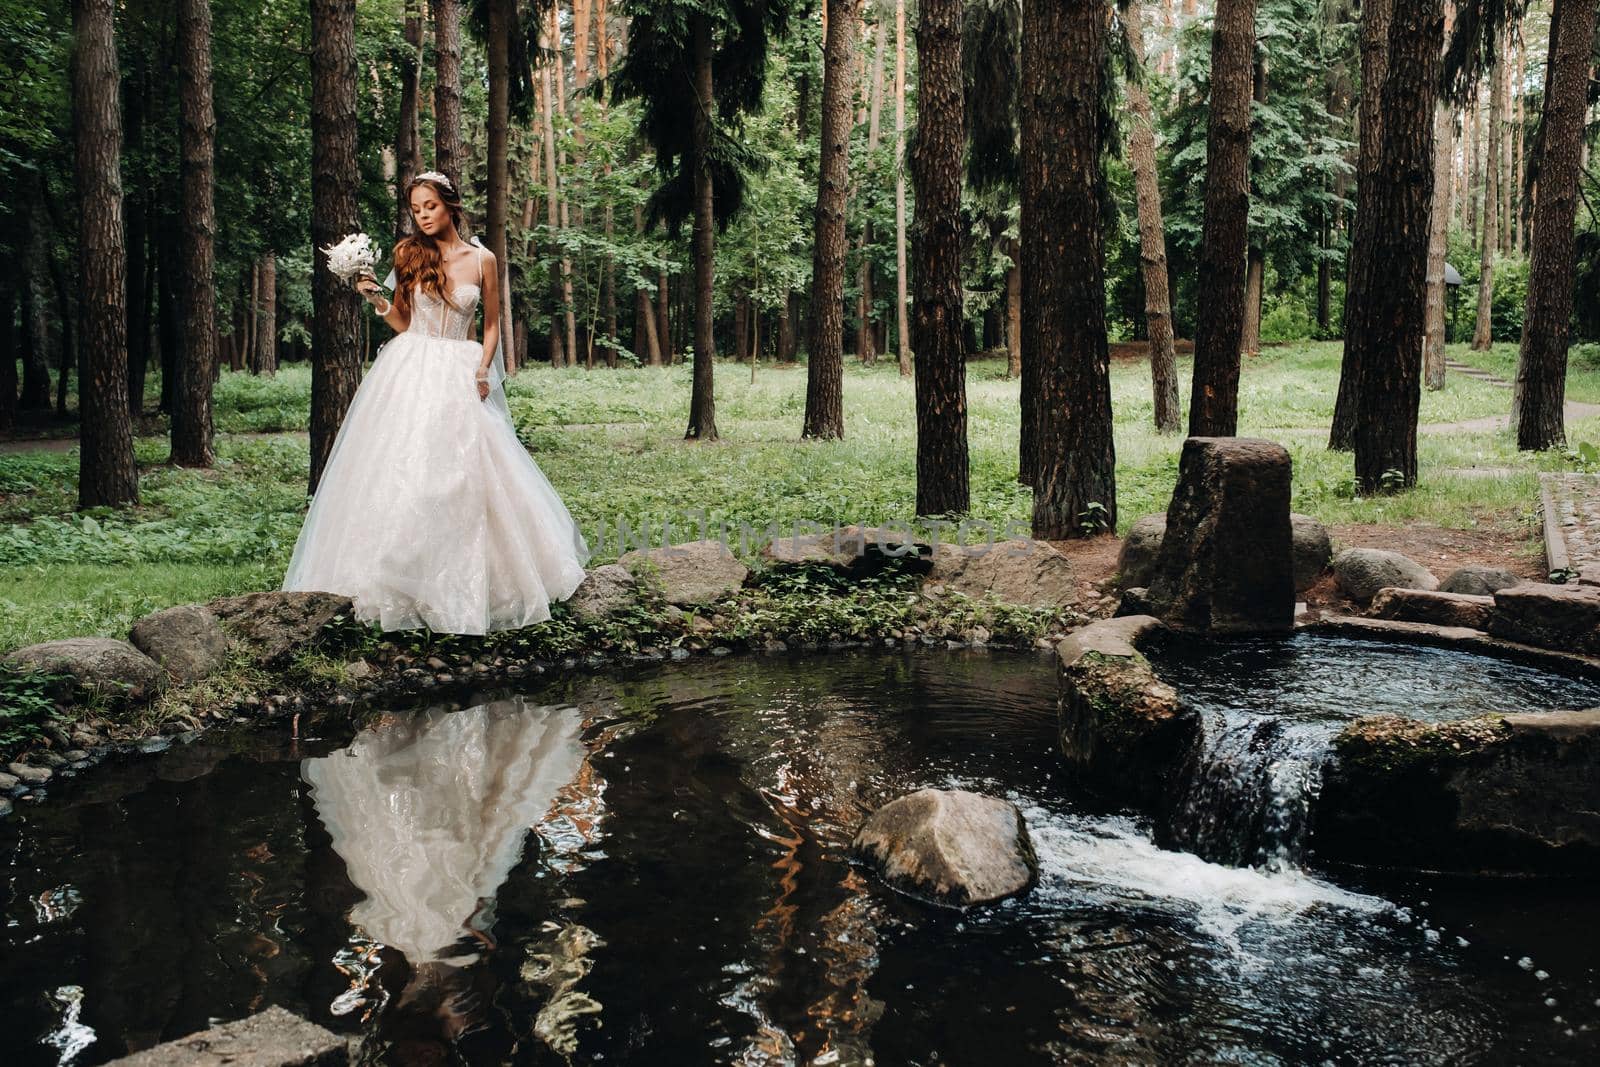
[{"x": 418, "y": 258}]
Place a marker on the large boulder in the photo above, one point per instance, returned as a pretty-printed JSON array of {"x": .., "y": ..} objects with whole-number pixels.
[
  {"x": 1313, "y": 550},
  {"x": 187, "y": 640},
  {"x": 1022, "y": 571},
  {"x": 271, "y": 626},
  {"x": 852, "y": 551},
  {"x": 1227, "y": 558},
  {"x": 1436, "y": 609},
  {"x": 1476, "y": 580},
  {"x": 98, "y": 666},
  {"x": 604, "y": 592},
  {"x": 1136, "y": 562},
  {"x": 691, "y": 573},
  {"x": 1361, "y": 572},
  {"x": 1565, "y": 617},
  {"x": 1502, "y": 793},
  {"x": 950, "y": 846}
]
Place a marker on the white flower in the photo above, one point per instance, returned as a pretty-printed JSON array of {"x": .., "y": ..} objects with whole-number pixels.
[{"x": 352, "y": 257}]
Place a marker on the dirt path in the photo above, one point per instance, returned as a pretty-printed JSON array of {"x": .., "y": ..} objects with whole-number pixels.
[
  {"x": 1491, "y": 423},
  {"x": 67, "y": 444}
]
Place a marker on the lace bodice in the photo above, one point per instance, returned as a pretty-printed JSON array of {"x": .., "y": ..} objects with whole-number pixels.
[{"x": 434, "y": 318}]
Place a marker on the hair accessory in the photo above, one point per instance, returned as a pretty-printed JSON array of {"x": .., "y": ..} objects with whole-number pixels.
[{"x": 435, "y": 176}]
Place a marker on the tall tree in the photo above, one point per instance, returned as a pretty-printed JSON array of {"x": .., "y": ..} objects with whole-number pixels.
[
  {"x": 678, "y": 49},
  {"x": 1063, "y": 280},
  {"x": 866, "y": 329},
  {"x": 559, "y": 352},
  {"x": 191, "y": 413},
  {"x": 1482, "y": 334},
  {"x": 106, "y": 473},
  {"x": 1375, "y": 18},
  {"x": 1540, "y": 392},
  {"x": 335, "y": 355},
  {"x": 825, "y": 371},
  {"x": 266, "y": 358},
  {"x": 938, "y": 329},
  {"x": 502, "y": 19},
  {"x": 1152, "y": 234},
  {"x": 1214, "y": 405},
  {"x": 408, "y": 139},
  {"x": 448, "y": 154},
  {"x": 1386, "y": 333},
  {"x": 1433, "y": 354},
  {"x": 901, "y": 293}
]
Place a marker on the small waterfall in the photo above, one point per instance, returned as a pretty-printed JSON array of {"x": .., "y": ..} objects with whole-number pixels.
[{"x": 1252, "y": 780}]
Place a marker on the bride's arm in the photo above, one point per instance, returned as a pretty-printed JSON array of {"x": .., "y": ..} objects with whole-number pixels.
[
  {"x": 491, "y": 310},
  {"x": 391, "y": 314}
]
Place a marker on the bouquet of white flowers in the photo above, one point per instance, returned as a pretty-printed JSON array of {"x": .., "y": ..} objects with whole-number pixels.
[{"x": 352, "y": 257}]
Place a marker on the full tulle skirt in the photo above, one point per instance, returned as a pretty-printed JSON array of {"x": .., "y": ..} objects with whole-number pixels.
[{"x": 430, "y": 512}]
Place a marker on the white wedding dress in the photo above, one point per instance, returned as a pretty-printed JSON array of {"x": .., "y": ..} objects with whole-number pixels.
[
  {"x": 429, "y": 511},
  {"x": 430, "y": 814}
]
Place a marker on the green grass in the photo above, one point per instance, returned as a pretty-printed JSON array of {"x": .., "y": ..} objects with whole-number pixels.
[{"x": 612, "y": 443}]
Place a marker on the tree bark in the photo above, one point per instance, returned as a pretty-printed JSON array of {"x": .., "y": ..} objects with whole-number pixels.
[
  {"x": 1014, "y": 311},
  {"x": 35, "y": 365},
  {"x": 1433, "y": 352},
  {"x": 106, "y": 472},
  {"x": 9, "y": 351},
  {"x": 1214, "y": 406},
  {"x": 1152, "y": 234},
  {"x": 1539, "y": 411},
  {"x": 552, "y": 221},
  {"x": 1482, "y": 334},
  {"x": 663, "y": 316},
  {"x": 1389, "y": 323},
  {"x": 408, "y": 139},
  {"x": 267, "y": 325},
  {"x": 1063, "y": 295},
  {"x": 825, "y": 370},
  {"x": 702, "y": 398},
  {"x": 335, "y": 176},
  {"x": 866, "y": 331},
  {"x": 938, "y": 317},
  {"x": 136, "y": 206},
  {"x": 570, "y": 315},
  {"x": 502, "y": 23},
  {"x": 903, "y": 324},
  {"x": 448, "y": 155},
  {"x": 1375, "y": 18}
]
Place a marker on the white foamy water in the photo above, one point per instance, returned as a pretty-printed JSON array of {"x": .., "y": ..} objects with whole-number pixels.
[{"x": 1109, "y": 860}]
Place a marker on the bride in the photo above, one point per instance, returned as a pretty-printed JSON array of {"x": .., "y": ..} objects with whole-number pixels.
[{"x": 429, "y": 511}]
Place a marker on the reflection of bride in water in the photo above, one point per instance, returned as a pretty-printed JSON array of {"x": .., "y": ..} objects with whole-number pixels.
[{"x": 429, "y": 814}]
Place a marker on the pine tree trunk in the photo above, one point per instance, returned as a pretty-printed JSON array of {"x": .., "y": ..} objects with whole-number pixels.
[
  {"x": 106, "y": 473},
  {"x": 825, "y": 371},
  {"x": 866, "y": 332},
  {"x": 938, "y": 320},
  {"x": 1014, "y": 311},
  {"x": 137, "y": 212},
  {"x": 702, "y": 399},
  {"x": 335, "y": 176},
  {"x": 1539, "y": 413},
  {"x": 167, "y": 310},
  {"x": 1504, "y": 127},
  {"x": 69, "y": 337},
  {"x": 9, "y": 351},
  {"x": 1482, "y": 334},
  {"x": 1375, "y": 18},
  {"x": 408, "y": 139},
  {"x": 1388, "y": 324},
  {"x": 1518, "y": 156},
  {"x": 1214, "y": 405},
  {"x": 552, "y": 221},
  {"x": 267, "y": 331},
  {"x": 35, "y": 369},
  {"x": 1152, "y": 235},
  {"x": 502, "y": 22},
  {"x": 569, "y": 305},
  {"x": 663, "y": 316},
  {"x": 448, "y": 155},
  {"x": 1063, "y": 295},
  {"x": 1433, "y": 351},
  {"x": 741, "y": 328},
  {"x": 902, "y": 299}
]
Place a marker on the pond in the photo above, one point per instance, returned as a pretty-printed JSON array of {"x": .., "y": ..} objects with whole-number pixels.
[{"x": 652, "y": 867}]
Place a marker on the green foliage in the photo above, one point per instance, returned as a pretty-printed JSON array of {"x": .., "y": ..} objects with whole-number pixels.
[{"x": 26, "y": 707}]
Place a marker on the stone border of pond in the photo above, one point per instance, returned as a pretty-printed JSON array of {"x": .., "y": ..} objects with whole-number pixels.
[
  {"x": 274, "y": 656},
  {"x": 1509, "y": 793}
]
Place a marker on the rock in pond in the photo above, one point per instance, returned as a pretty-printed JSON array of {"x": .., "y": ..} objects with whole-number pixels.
[
  {"x": 950, "y": 846},
  {"x": 1475, "y": 580},
  {"x": 1227, "y": 559},
  {"x": 1363, "y": 571},
  {"x": 1562, "y": 617},
  {"x": 187, "y": 640},
  {"x": 604, "y": 592},
  {"x": 271, "y": 626},
  {"x": 100, "y": 666},
  {"x": 690, "y": 573},
  {"x": 272, "y": 1038},
  {"x": 1021, "y": 571}
]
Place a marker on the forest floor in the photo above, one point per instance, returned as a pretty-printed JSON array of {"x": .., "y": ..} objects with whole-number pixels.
[{"x": 612, "y": 444}]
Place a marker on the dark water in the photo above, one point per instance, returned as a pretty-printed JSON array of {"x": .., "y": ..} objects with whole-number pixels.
[
  {"x": 1270, "y": 708},
  {"x": 684, "y": 897}
]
